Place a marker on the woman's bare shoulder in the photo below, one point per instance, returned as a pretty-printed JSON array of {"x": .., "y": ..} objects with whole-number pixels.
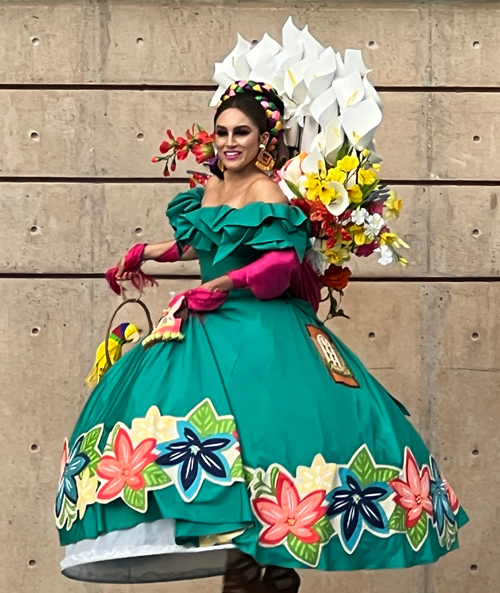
[{"x": 265, "y": 190}]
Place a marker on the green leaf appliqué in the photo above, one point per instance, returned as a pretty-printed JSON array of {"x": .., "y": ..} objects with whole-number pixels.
[
  {"x": 306, "y": 553},
  {"x": 155, "y": 476},
  {"x": 135, "y": 498},
  {"x": 418, "y": 532},
  {"x": 397, "y": 520},
  {"x": 324, "y": 529}
]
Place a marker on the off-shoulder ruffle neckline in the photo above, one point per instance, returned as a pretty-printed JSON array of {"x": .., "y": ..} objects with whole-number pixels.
[{"x": 261, "y": 225}]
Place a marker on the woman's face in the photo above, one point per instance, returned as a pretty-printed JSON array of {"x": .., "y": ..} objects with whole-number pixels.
[{"x": 237, "y": 140}]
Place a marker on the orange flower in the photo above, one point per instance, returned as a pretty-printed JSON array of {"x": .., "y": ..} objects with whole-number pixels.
[{"x": 336, "y": 277}]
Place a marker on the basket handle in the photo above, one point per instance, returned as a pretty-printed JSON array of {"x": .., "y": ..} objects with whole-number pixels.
[{"x": 148, "y": 315}]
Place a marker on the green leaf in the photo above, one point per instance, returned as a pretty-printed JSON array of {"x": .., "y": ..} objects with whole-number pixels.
[
  {"x": 155, "y": 476},
  {"x": 397, "y": 520},
  {"x": 204, "y": 420},
  {"x": 262, "y": 492},
  {"x": 91, "y": 440},
  {"x": 274, "y": 477},
  {"x": 363, "y": 467},
  {"x": 307, "y": 553},
  {"x": 385, "y": 474},
  {"x": 111, "y": 438},
  {"x": 237, "y": 468},
  {"x": 324, "y": 529},
  {"x": 135, "y": 498},
  {"x": 418, "y": 532},
  {"x": 226, "y": 425},
  {"x": 294, "y": 188},
  {"x": 248, "y": 474},
  {"x": 94, "y": 461}
]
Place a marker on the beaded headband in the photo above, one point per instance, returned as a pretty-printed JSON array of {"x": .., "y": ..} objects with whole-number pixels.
[{"x": 268, "y": 98}]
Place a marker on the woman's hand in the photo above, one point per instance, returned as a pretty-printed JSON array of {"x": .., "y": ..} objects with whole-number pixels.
[
  {"x": 120, "y": 274},
  {"x": 223, "y": 284}
]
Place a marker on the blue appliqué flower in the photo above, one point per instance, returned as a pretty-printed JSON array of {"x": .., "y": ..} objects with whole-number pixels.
[
  {"x": 359, "y": 507},
  {"x": 441, "y": 506},
  {"x": 197, "y": 458},
  {"x": 72, "y": 467}
]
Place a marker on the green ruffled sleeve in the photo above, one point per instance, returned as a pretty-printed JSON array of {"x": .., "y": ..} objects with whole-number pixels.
[{"x": 260, "y": 225}]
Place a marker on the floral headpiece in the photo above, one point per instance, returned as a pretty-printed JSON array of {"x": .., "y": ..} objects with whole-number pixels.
[{"x": 270, "y": 101}]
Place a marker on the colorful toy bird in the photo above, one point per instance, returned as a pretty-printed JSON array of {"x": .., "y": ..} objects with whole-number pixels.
[{"x": 123, "y": 333}]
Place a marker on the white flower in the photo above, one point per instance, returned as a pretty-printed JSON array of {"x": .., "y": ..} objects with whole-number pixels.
[
  {"x": 320, "y": 476},
  {"x": 153, "y": 426},
  {"x": 359, "y": 216},
  {"x": 386, "y": 255},
  {"x": 374, "y": 225}
]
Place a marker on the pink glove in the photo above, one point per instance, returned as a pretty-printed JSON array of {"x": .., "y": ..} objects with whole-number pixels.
[
  {"x": 269, "y": 276},
  {"x": 133, "y": 261},
  {"x": 200, "y": 299}
]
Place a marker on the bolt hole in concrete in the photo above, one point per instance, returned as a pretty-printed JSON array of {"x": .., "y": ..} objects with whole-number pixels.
[
  {"x": 372, "y": 44},
  {"x": 35, "y": 40},
  {"x": 475, "y": 336},
  {"x": 32, "y": 562},
  {"x": 476, "y": 44},
  {"x": 473, "y": 566},
  {"x": 476, "y": 138},
  {"x": 33, "y": 229},
  {"x": 35, "y": 331},
  {"x": 140, "y": 41},
  {"x": 475, "y": 452},
  {"x": 476, "y": 233},
  {"x": 34, "y": 448},
  {"x": 138, "y": 231},
  {"x": 140, "y": 136},
  {"x": 371, "y": 335},
  {"x": 35, "y": 136}
]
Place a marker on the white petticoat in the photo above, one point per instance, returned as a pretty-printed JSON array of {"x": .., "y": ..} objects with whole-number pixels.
[{"x": 146, "y": 553}]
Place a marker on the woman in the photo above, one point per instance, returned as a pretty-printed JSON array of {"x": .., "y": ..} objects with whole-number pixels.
[{"x": 242, "y": 418}]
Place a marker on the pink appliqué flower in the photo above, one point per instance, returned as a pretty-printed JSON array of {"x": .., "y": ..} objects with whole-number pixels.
[
  {"x": 125, "y": 466},
  {"x": 290, "y": 514},
  {"x": 413, "y": 495}
]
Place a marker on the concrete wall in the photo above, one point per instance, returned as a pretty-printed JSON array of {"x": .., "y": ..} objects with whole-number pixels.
[{"x": 77, "y": 188}]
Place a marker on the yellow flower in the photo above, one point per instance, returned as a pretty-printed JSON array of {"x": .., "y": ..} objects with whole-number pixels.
[
  {"x": 365, "y": 152},
  {"x": 366, "y": 177},
  {"x": 358, "y": 234},
  {"x": 319, "y": 188},
  {"x": 348, "y": 163},
  {"x": 337, "y": 255},
  {"x": 392, "y": 239},
  {"x": 87, "y": 489},
  {"x": 376, "y": 166},
  {"x": 337, "y": 175},
  {"x": 320, "y": 476},
  {"x": 355, "y": 194},
  {"x": 393, "y": 205},
  {"x": 403, "y": 261},
  {"x": 153, "y": 426}
]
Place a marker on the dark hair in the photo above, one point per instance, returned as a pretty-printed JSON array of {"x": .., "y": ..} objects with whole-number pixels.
[{"x": 248, "y": 105}]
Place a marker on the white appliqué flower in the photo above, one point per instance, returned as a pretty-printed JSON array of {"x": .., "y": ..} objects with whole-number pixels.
[
  {"x": 386, "y": 255},
  {"x": 153, "y": 426},
  {"x": 374, "y": 225},
  {"x": 320, "y": 476},
  {"x": 359, "y": 216}
]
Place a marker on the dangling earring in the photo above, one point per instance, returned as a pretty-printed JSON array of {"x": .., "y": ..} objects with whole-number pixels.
[
  {"x": 265, "y": 160},
  {"x": 220, "y": 165}
]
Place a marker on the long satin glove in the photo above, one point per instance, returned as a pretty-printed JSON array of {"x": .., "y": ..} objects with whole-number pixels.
[
  {"x": 269, "y": 276},
  {"x": 277, "y": 271},
  {"x": 133, "y": 262}
]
